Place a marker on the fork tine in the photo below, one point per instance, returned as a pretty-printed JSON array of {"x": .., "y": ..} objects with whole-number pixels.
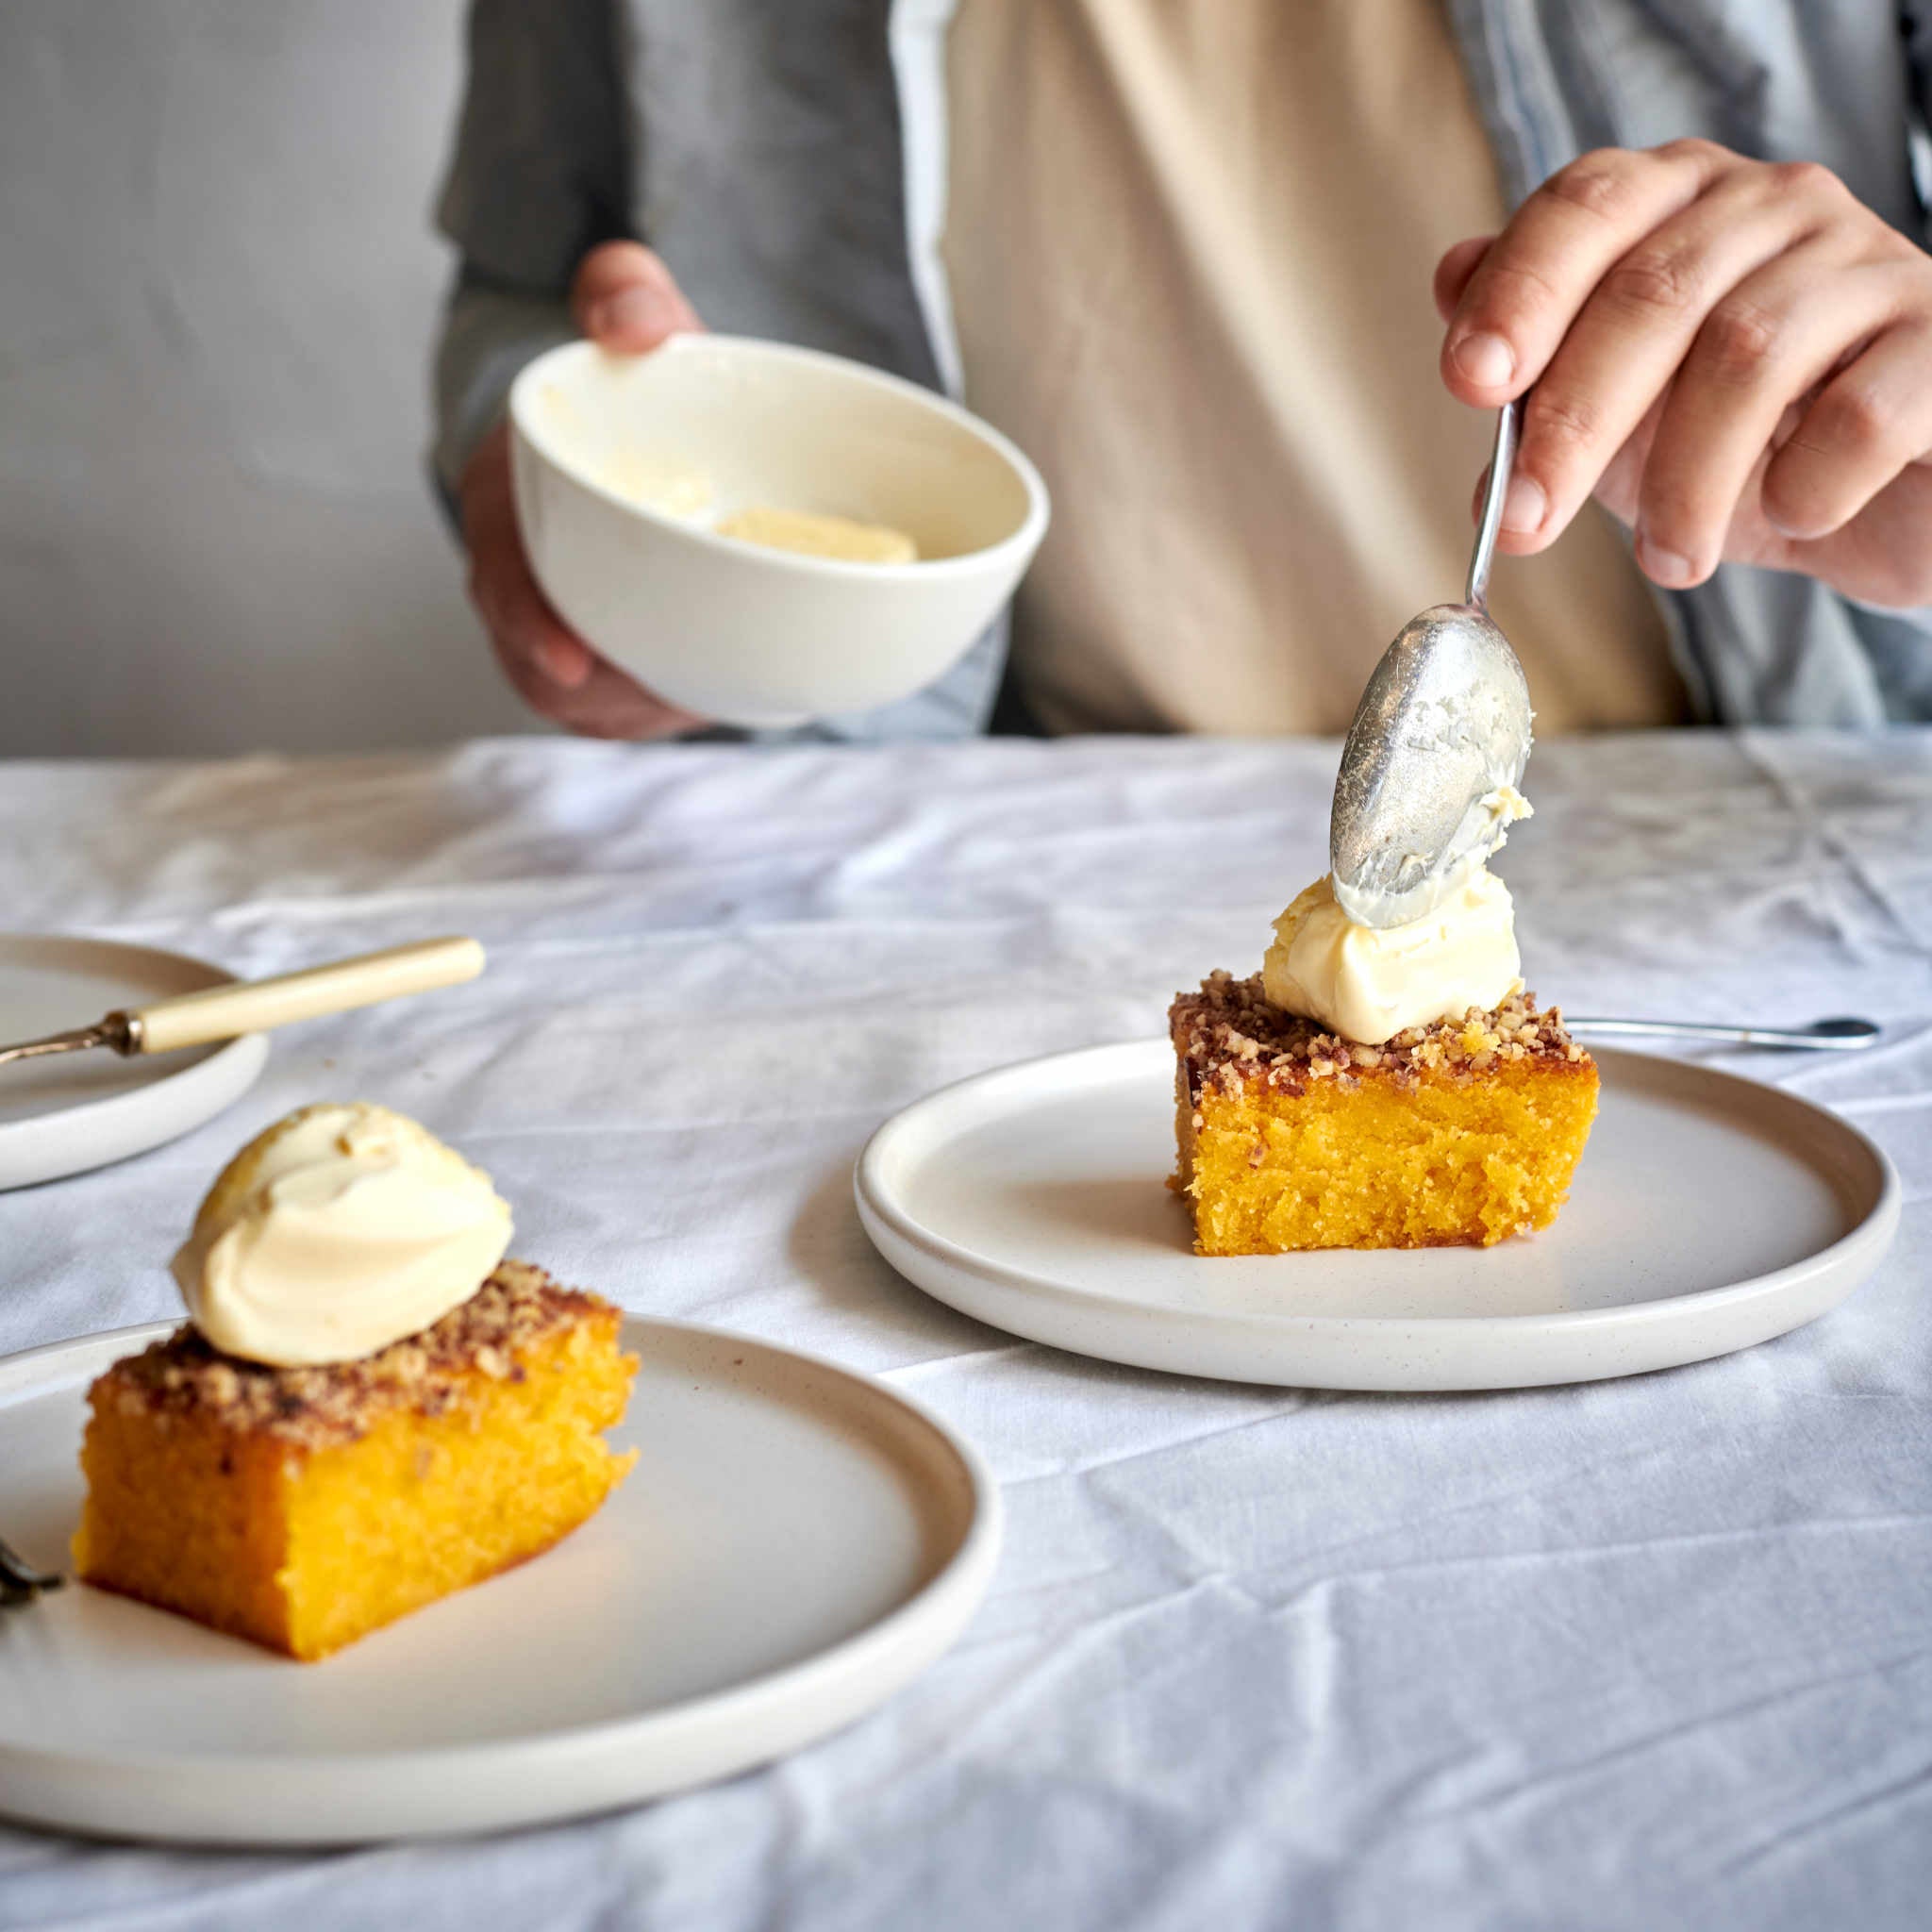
[{"x": 19, "y": 1580}]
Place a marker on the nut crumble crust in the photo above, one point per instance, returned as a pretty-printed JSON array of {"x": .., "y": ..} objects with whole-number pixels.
[
  {"x": 1229, "y": 1035},
  {"x": 326, "y": 1406}
]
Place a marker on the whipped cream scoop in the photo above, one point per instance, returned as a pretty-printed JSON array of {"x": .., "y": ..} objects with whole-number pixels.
[
  {"x": 341, "y": 1229},
  {"x": 1369, "y": 983}
]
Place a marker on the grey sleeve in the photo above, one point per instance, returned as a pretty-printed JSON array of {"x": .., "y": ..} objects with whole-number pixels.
[
  {"x": 538, "y": 175},
  {"x": 543, "y": 170}
]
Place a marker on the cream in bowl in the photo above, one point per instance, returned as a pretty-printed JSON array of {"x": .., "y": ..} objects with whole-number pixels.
[{"x": 728, "y": 520}]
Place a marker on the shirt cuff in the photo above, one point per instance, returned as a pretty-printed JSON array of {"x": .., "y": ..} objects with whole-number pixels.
[{"x": 489, "y": 334}]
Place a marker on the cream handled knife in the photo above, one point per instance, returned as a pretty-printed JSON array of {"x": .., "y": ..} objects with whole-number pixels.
[{"x": 255, "y": 1005}]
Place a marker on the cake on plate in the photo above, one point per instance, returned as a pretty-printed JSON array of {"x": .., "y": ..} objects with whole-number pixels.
[
  {"x": 1389, "y": 1087},
  {"x": 1459, "y": 1133},
  {"x": 369, "y": 1408}
]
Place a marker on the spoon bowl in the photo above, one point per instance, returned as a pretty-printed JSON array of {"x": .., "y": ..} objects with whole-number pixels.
[{"x": 1444, "y": 725}]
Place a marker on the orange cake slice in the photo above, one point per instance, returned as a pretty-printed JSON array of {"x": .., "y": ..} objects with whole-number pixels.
[
  {"x": 302, "y": 1507},
  {"x": 1457, "y": 1134}
]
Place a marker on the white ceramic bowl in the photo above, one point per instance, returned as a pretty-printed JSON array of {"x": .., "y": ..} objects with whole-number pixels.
[{"x": 732, "y": 630}]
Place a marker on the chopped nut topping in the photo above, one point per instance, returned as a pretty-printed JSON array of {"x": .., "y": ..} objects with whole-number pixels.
[
  {"x": 1228, "y": 1035},
  {"x": 323, "y": 1408}
]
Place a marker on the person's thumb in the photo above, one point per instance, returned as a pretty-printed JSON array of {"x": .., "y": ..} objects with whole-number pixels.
[{"x": 624, "y": 298}]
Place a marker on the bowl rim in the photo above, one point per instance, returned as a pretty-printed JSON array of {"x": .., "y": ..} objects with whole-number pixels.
[{"x": 1020, "y": 540}]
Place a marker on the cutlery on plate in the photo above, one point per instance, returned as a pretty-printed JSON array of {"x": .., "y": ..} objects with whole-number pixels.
[
  {"x": 1443, "y": 724},
  {"x": 20, "y": 1582},
  {"x": 1822, "y": 1036},
  {"x": 255, "y": 1005}
]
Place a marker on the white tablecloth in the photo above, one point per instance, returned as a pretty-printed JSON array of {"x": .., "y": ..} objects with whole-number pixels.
[{"x": 1641, "y": 1654}]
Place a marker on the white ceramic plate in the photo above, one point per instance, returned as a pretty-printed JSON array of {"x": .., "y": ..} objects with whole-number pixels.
[
  {"x": 80, "y": 1110},
  {"x": 795, "y": 1544},
  {"x": 1709, "y": 1213}
]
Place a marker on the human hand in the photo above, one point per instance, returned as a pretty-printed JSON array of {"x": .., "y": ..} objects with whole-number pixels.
[
  {"x": 1734, "y": 356},
  {"x": 623, "y": 297}
]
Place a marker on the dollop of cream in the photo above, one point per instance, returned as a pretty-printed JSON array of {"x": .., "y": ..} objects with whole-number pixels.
[
  {"x": 1368, "y": 983},
  {"x": 1501, "y": 808},
  {"x": 341, "y": 1229}
]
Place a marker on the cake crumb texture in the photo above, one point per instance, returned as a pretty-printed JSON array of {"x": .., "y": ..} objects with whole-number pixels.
[{"x": 1458, "y": 1134}]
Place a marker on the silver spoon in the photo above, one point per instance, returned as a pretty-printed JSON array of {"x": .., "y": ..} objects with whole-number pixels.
[
  {"x": 1443, "y": 724},
  {"x": 1821, "y": 1036}
]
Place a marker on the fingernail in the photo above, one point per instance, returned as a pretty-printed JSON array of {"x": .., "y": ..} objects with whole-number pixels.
[
  {"x": 1797, "y": 529},
  {"x": 632, "y": 312},
  {"x": 1524, "y": 505},
  {"x": 1664, "y": 566},
  {"x": 1484, "y": 359}
]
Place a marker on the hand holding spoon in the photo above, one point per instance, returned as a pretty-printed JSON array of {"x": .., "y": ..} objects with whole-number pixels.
[{"x": 1444, "y": 725}]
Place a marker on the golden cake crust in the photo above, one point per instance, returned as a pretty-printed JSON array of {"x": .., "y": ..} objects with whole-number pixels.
[{"x": 325, "y": 1406}]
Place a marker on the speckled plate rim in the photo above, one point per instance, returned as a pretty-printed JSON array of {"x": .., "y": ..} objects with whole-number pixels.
[
  {"x": 1372, "y": 1351},
  {"x": 331, "y": 1798},
  {"x": 96, "y": 1133}
]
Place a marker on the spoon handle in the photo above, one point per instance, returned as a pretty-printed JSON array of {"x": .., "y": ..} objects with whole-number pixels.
[
  {"x": 223, "y": 1012},
  {"x": 1813, "y": 1038},
  {"x": 1501, "y": 458}
]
